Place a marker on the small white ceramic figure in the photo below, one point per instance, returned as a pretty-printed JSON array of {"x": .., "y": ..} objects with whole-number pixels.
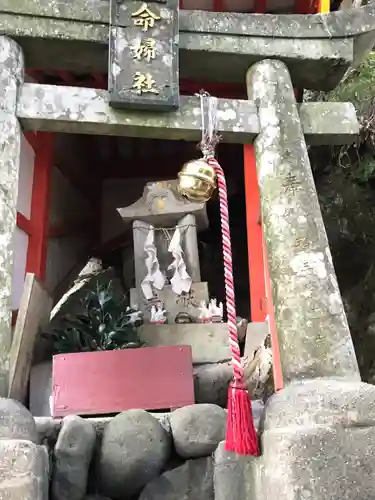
[
  {"x": 216, "y": 311},
  {"x": 152, "y": 314},
  {"x": 204, "y": 313},
  {"x": 158, "y": 314}
]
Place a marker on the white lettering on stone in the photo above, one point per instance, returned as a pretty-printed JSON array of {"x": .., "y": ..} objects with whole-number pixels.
[
  {"x": 308, "y": 263},
  {"x": 227, "y": 114}
]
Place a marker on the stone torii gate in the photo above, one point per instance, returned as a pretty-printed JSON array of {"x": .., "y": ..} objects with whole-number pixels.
[{"x": 321, "y": 425}]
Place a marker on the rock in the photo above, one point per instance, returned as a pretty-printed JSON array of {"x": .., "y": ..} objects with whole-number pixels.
[
  {"x": 23, "y": 470},
  {"x": 16, "y": 422},
  {"x": 198, "y": 429},
  {"x": 258, "y": 409},
  {"x": 135, "y": 448},
  {"x": 73, "y": 453},
  {"x": 211, "y": 382},
  {"x": 233, "y": 474},
  {"x": 191, "y": 481},
  {"x": 41, "y": 389}
]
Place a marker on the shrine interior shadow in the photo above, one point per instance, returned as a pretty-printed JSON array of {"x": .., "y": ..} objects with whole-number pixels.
[{"x": 106, "y": 173}]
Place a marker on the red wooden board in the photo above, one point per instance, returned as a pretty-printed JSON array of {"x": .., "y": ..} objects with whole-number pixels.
[{"x": 98, "y": 383}]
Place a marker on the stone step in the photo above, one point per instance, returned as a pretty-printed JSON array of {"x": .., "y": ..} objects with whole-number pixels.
[
  {"x": 235, "y": 476},
  {"x": 209, "y": 341}
]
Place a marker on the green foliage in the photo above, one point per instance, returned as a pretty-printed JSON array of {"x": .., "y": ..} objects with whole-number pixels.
[
  {"x": 358, "y": 87},
  {"x": 106, "y": 324}
]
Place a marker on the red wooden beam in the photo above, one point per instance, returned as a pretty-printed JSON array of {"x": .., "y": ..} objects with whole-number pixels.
[
  {"x": 24, "y": 224},
  {"x": 40, "y": 203},
  {"x": 67, "y": 78},
  {"x": 35, "y": 74},
  {"x": 254, "y": 237},
  {"x": 31, "y": 138},
  {"x": 305, "y": 6},
  {"x": 218, "y": 6},
  {"x": 228, "y": 90},
  {"x": 100, "y": 81},
  {"x": 260, "y": 6},
  {"x": 260, "y": 286}
]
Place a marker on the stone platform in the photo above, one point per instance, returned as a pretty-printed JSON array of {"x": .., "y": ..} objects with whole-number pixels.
[{"x": 209, "y": 342}]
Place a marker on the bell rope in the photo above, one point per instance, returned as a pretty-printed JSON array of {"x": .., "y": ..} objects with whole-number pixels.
[{"x": 241, "y": 436}]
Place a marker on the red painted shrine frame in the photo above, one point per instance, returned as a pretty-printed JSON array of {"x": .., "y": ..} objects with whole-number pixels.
[{"x": 37, "y": 227}]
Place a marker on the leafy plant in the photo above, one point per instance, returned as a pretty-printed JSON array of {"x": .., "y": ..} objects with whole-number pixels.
[{"x": 106, "y": 324}]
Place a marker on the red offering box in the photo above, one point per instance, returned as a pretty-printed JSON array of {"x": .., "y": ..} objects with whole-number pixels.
[{"x": 105, "y": 382}]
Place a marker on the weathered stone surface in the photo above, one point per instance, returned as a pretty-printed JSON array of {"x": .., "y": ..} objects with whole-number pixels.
[
  {"x": 211, "y": 382},
  {"x": 191, "y": 481},
  {"x": 40, "y": 389},
  {"x": 125, "y": 59},
  {"x": 198, "y": 429},
  {"x": 316, "y": 443},
  {"x": 229, "y": 40},
  {"x": 321, "y": 402},
  {"x": 336, "y": 24},
  {"x": 234, "y": 475},
  {"x": 313, "y": 332},
  {"x": 86, "y": 111},
  {"x": 49, "y": 428},
  {"x": 172, "y": 303},
  {"x": 11, "y": 77},
  {"x": 135, "y": 447},
  {"x": 72, "y": 456},
  {"x": 255, "y": 337},
  {"x": 161, "y": 206},
  {"x": 23, "y": 471},
  {"x": 16, "y": 422},
  {"x": 209, "y": 341}
]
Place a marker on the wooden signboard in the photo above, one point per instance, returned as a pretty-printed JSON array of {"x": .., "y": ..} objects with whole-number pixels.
[
  {"x": 106, "y": 382},
  {"x": 34, "y": 312},
  {"x": 143, "y": 55}
]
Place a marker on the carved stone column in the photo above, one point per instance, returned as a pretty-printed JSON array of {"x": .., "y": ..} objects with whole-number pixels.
[
  {"x": 11, "y": 77},
  {"x": 312, "y": 328}
]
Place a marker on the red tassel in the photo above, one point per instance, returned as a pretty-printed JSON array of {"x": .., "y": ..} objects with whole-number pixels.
[{"x": 241, "y": 434}]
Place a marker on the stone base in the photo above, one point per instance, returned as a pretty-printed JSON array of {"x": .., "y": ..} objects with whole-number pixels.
[
  {"x": 209, "y": 342},
  {"x": 40, "y": 389},
  {"x": 318, "y": 442},
  {"x": 172, "y": 302},
  {"x": 23, "y": 470}
]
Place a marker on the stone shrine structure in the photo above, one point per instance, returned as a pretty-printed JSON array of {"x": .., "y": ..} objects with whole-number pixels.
[
  {"x": 161, "y": 207},
  {"x": 164, "y": 209},
  {"x": 318, "y": 430}
]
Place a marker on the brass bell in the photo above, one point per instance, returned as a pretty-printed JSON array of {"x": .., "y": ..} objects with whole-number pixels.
[{"x": 197, "y": 180}]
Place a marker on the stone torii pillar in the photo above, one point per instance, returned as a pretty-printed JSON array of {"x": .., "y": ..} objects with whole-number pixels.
[
  {"x": 311, "y": 323},
  {"x": 318, "y": 428},
  {"x": 11, "y": 77}
]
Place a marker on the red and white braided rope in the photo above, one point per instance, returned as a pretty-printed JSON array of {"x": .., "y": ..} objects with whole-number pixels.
[{"x": 228, "y": 271}]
